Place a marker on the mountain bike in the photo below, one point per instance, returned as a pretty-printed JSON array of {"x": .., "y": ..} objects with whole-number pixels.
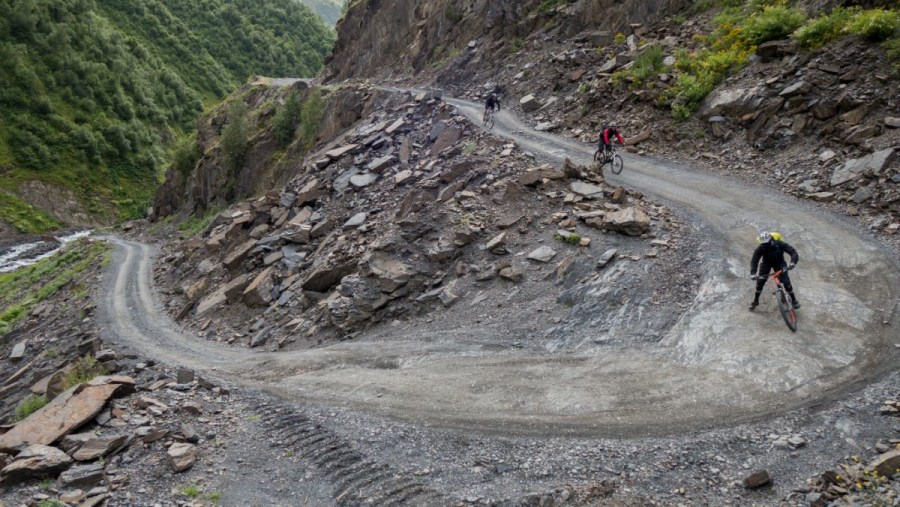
[
  {"x": 785, "y": 301},
  {"x": 611, "y": 157},
  {"x": 488, "y": 119}
]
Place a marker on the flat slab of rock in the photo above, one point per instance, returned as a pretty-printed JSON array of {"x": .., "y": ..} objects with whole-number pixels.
[
  {"x": 542, "y": 254},
  {"x": 529, "y": 103},
  {"x": 181, "y": 456},
  {"x": 852, "y": 169},
  {"x": 33, "y": 462},
  {"x": 340, "y": 152},
  {"x": 587, "y": 190},
  {"x": 496, "y": 243},
  {"x": 757, "y": 479},
  {"x": 607, "y": 256},
  {"x": 64, "y": 414},
  {"x": 356, "y": 220},
  {"x": 380, "y": 164},
  {"x": 363, "y": 180},
  {"x": 887, "y": 464},
  {"x": 82, "y": 476},
  {"x": 99, "y": 447},
  {"x": 18, "y": 351}
]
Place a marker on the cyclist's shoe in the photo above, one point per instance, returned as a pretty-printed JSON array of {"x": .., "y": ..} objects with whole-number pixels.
[
  {"x": 753, "y": 305},
  {"x": 796, "y": 305}
]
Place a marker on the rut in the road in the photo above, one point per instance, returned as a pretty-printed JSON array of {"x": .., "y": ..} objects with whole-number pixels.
[{"x": 355, "y": 479}]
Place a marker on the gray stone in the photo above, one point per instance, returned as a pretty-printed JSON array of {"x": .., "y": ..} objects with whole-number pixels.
[
  {"x": 529, "y": 103},
  {"x": 542, "y": 254},
  {"x": 511, "y": 273},
  {"x": 260, "y": 338},
  {"x": 630, "y": 221},
  {"x": 33, "y": 462},
  {"x": 862, "y": 195},
  {"x": 403, "y": 176},
  {"x": 809, "y": 186},
  {"x": 287, "y": 200},
  {"x": 587, "y": 190},
  {"x": 181, "y": 456},
  {"x": 340, "y": 152},
  {"x": 826, "y": 155},
  {"x": 497, "y": 243},
  {"x": 887, "y": 464},
  {"x": 796, "y": 441},
  {"x": 821, "y": 196},
  {"x": 437, "y": 130},
  {"x": 82, "y": 476},
  {"x": 359, "y": 181},
  {"x": 609, "y": 66},
  {"x": 356, "y": 220},
  {"x": 395, "y": 126},
  {"x": 380, "y": 164},
  {"x": 854, "y": 168},
  {"x": 18, "y": 351},
  {"x": 185, "y": 376},
  {"x": 731, "y": 102},
  {"x": 669, "y": 61},
  {"x": 892, "y": 122},
  {"x": 390, "y": 273},
  {"x": 798, "y": 88},
  {"x": 607, "y": 256}
]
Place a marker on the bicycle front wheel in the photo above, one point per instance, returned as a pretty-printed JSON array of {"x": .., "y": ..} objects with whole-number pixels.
[
  {"x": 490, "y": 122},
  {"x": 616, "y": 164},
  {"x": 786, "y": 307}
]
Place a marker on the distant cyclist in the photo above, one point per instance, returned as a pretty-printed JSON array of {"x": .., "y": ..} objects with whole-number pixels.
[
  {"x": 771, "y": 252},
  {"x": 492, "y": 102},
  {"x": 606, "y": 137}
]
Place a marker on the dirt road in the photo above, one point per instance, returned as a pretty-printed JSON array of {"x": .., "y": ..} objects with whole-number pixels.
[{"x": 719, "y": 364}]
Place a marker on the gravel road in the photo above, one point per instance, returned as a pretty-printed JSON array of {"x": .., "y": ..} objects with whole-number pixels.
[{"x": 719, "y": 365}]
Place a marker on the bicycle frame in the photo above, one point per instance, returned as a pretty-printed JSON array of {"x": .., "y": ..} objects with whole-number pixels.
[{"x": 784, "y": 301}]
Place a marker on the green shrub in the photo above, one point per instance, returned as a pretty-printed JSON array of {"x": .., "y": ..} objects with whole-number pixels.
[
  {"x": 235, "y": 137},
  {"x": 83, "y": 370},
  {"x": 875, "y": 24},
  {"x": 648, "y": 63},
  {"x": 286, "y": 120},
  {"x": 825, "y": 28},
  {"x": 311, "y": 117},
  {"x": 516, "y": 45},
  {"x": 193, "y": 225},
  {"x": 186, "y": 155},
  {"x": 619, "y": 38},
  {"x": 29, "y": 406},
  {"x": 453, "y": 13},
  {"x": 774, "y": 22},
  {"x": 572, "y": 239}
]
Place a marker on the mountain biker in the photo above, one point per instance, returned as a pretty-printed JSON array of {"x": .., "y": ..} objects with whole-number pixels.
[
  {"x": 608, "y": 132},
  {"x": 492, "y": 102},
  {"x": 771, "y": 252}
]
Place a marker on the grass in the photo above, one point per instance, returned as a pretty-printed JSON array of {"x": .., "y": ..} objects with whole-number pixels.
[
  {"x": 825, "y": 28},
  {"x": 25, "y": 217},
  {"x": 254, "y": 417},
  {"x": 29, "y": 406},
  {"x": 191, "y": 490},
  {"x": 215, "y": 497},
  {"x": 83, "y": 370},
  {"x": 470, "y": 147},
  {"x": 646, "y": 66},
  {"x": 25, "y": 288},
  {"x": 194, "y": 225}
]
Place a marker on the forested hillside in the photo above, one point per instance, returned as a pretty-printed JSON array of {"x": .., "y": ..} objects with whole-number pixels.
[{"x": 94, "y": 92}]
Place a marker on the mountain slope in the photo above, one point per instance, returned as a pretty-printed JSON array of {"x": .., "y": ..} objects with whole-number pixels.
[
  {"x": 330, "y": 10},
  {"x": 93, "y": 92}
]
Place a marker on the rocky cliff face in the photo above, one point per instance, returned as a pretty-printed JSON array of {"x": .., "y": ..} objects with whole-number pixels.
[
  {"x": 380, "y": 38},
  {"x": 267, "y": 165}
]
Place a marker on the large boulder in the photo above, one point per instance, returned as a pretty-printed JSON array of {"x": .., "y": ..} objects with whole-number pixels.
[
  {"x": 390, "y": 273},
  {"x": 630, "y": 221},
  {"x": 529, "y": 103},
  {"x": 731, "y": 102},
  {"x": 852, "y": 169}
]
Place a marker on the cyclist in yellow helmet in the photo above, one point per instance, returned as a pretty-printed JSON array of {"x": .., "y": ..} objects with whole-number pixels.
[{"x": 771, "y": 252}]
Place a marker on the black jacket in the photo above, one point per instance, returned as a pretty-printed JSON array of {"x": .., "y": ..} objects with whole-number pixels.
[{"x": 772, "y": 254}]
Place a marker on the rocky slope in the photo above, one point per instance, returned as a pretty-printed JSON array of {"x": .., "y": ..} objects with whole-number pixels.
[{"x": 410, "y": 211}]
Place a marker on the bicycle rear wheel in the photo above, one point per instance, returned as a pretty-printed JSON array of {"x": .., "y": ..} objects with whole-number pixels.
[
  {"x": 786, "y": 307},
  {"x": 490, "y": 122},
  {"x": 616, "y": 164}
]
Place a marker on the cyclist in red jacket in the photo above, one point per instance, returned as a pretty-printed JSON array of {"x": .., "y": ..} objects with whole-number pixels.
[{"x": 606, "y": 136}]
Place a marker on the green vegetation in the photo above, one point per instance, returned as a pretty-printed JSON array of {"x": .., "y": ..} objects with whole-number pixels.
[
  {"x": 29, "y": 406},
  {"x": 50, "y": 503},
  {"x": 329, "y": 10},
  {"x": 572, "y": 239},
  {"x": 311, "y": 116},
  {"x": 191, "y": 490},
  {"x": 876, "y": 24},
  {"x": 215, "y": 497},
  {"x": 235, "y": 136},
  {"x": 23, "y": 289},
  {"x": 825, "y": 28},
  {"x": 548, "y": 5},
  {"x": 646, "y": 66},
  {"x": 185, "y": 155},
  {"x": 619, "y": 38},
  {"x": 892, "y": 48},
  {"x": 516, "y": 45},
  {"x": 286, "y": 120},
  {"x": 453, "y": 13},
  {"x": 773, "y": 22},
  {"x": 23, "y": 216},
  {"x": 193, "y": 225},
  {"x": 93, "y": 92},
  {"x": 84, "y": 369}
]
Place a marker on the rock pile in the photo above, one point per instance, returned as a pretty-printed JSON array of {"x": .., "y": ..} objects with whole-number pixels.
[{"x": 389, "y": 222}]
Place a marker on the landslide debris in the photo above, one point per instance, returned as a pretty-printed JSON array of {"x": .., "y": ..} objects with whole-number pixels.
[{"x": 413, "y": 212}]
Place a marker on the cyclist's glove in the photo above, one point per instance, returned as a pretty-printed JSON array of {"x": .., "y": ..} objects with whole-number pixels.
[
  {"x": 754, "y": 277},
  {"x": 791, "y": 266}
]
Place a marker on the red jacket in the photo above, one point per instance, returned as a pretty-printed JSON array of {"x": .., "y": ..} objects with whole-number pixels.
[{"x": 606, "y": 136}]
